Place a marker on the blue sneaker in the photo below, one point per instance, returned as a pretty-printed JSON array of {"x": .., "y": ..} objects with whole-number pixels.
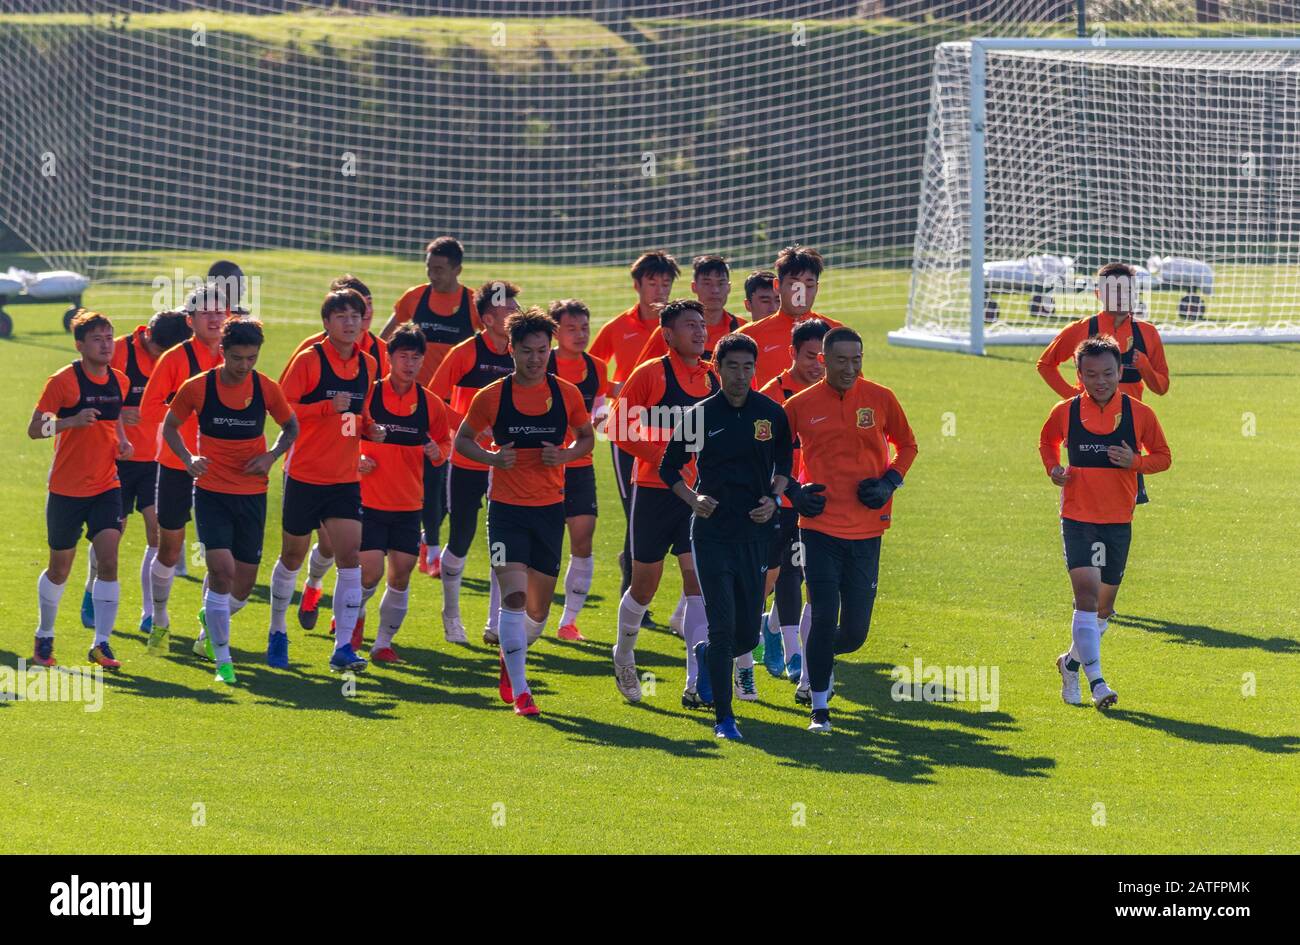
[
  {"x": 727, "y": 729},
  {"x": 794, "y": 668},
  {"x": 277, "y": 650},
  {"x": 346, "y": 660},
  {"x": 773, "y": 651},
  {"x": 703, "y": 684},
  {"x": 87, "y": 611},
  {"x": 146, "y": 624}
]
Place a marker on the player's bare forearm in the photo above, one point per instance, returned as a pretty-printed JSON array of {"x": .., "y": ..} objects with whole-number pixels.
[
  {"x": 684, "y": 492},
  {"x": 583, "y": 442},
  {"x": 288, "y": 433},
  {"x": 467, "y": 446},
  {"x": 390, "y": 326}
]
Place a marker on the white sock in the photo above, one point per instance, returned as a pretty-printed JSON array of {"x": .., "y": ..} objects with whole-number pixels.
[
  {"x": 146, "y": 580},
  {"x": 1087, "y": 643},
  {"x": 822, "y": 699},
  {"x": 494, "y": 601},
  {"x": 1102, "y": 624},
  {"x": 48, "y": 594},
  {"x": 577, "y": 585},
  {"x": 106, "y": 595},
  {"x": 366, "y": 594},
  {"x": 236, "y": 605},
  {"x": 745, "y": 660},
  {"x": 160, "y": 589},
  {"x": 92, "y": 568},
  {"x": 283, "y": 582},
  {"x": 432, "y": 553},
  {"x": 453, "y": 571},
  {"x": 347, "y": 604},
  {"x": 317, "y": 567},
  {"x": 392, "y": 611},
  {"x": 217, "y": 609},
  {"x": 533, "y": 628},
  {"x": 695, "y": 629},
  {"x": 629, "y": 628},
  {"x": 514, "y": 649},
  {"x": 679, "y": 612},
  {"x": 805, "y": 624}
]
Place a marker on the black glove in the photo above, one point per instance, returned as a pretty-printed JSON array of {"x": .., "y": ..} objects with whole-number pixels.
[
  {"x": 874, "y": 493},
  {"x": 808, "y": 500}
]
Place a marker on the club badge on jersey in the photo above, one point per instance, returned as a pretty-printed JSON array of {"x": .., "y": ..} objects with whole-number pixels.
[
  {"x": 866, "y": 418},
  {"x": 762, "y": 429}
]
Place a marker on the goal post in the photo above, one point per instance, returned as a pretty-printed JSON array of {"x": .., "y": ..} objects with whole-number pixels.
[{"x": 1046, "y": 158}]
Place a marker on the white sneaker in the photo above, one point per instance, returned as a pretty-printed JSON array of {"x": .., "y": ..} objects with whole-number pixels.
[
  {"x": 1103, "y": 697},
  {"x": 745, "y": 688},
  {"x": 677, "y": 622},
  {"x": 1069, "y": 681},
  {"x": 803, "y": 694},
  {"x": 490, "y": 636},
  {"x": 453, "y": 629},
  {"x": 627, "y": 681}
]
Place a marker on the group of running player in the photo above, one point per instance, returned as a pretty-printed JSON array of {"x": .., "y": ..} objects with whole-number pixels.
[{"x": 749, "y": 448}]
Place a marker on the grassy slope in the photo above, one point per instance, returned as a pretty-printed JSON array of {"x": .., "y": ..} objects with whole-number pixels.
[{"x": 971, "y": 575}]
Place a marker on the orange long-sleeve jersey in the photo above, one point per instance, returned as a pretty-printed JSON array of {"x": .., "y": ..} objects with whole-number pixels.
[
  {"x": 597, "y": 383},
  {"x": 369, "y": 342},
  {"x": 1148, "y": 370},
  {"x": 621, "y": 339},
  {"x": 396, "y": 484},
  {"x": 447, "y": 318},
  {"x": 845, "y": 438},
  {"x": 328, "y": 447},
  {"x": 468, "y": 368},
  {"x": 781, "y": 388},
  {"x": 1103, "y": 494},
  {"x": 132, "y": 358},
  {"x": 772, "y": 335},
  {"x": 176, "y": 366},
  {"x": 650, "y": 393}
]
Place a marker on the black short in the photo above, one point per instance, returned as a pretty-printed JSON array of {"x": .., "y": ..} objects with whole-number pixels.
[
  {"x": 660, "y": 523},
  {"x": 174, "y": 497},
  {"x": 782, "y": 548},
  {"x": 1090, "y": 545},
  {"x": 530, "y": 534},
  {"x": 65, "y": 514},
  {"x": 236, "y": 523},
  {"x": 306, "y": 505},
  {"x": 386, "y": 531},
  {"x": 139, "y": 484},
  {"x": 579, "y": 491},
  {"x": 465, "y": 491}
]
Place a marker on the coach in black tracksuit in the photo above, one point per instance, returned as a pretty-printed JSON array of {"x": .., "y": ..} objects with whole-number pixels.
[{"x": 740, "y": 440}]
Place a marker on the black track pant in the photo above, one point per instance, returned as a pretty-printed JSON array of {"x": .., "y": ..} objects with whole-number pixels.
[
  {"x": 435, "y": 508},
  {"x": 841, "y": 577},
  {"x": 731, "y": 579},
  {"x": 624, "y": 465}
]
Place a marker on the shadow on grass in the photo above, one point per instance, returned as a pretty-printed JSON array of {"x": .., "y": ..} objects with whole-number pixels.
[
  {"x": 1200, "y": 635},
  {"x": 1208, "y": 734},
  {"x": 588, "y": 731}
]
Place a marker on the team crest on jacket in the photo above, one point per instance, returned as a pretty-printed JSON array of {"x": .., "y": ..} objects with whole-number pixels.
[
  {"x": 762, "y": 429},
  {"x": 866, "y": 418}
]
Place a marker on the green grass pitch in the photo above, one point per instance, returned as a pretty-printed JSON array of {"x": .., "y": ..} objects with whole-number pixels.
[{"x": 1200, "y": 756}]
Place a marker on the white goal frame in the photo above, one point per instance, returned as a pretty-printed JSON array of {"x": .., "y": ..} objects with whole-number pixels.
[{"x": 979, "y": 49}]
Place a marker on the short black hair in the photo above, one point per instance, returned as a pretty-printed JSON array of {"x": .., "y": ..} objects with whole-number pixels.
[
  {"x": 797, "y": 260},
  {"x": 759, "y": 279},
  {"x": 561, "y": 307},
  {"x": 408, "y": 337},
  {"x": 669, "y": 313},
  {"x": 531, "y": 321},
  {"x": 836, "y": 335},
  {"x": 448, "y": 247},
  {"x": 808, "y": 330},
  {"x": 340, "y": 300},
  {"x": 656, "y": 262},
  {"x": 168, "y": 329},
  {"x": 1098, "y": 345},
  {"x": 225, "y": 269},
  {"x": 734, "y": 342},
  {"x": 86, "y": 321},
  {"x": 209, "y": 297},
  {"x": 710, "y": 263},
  {"x": 349, "y": 281},
  {"x": 242, "y": 331},
  {"x": 483, "y": 295}
]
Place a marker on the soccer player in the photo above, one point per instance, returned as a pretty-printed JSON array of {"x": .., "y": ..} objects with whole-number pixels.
[
  {"x": 786, "y": 624},
  {"x": 742, "y": 451},
  {"x": 468, "y": 368},
  {"x": 445, "y": 310},
  {"x": 529, "y": 414},
  {"x": 82, "y": 407},
  {"x": 207, "y": 309},
  {"x": 230, "y": 277},
  {"x": 321, "y": 557},
  {"x": 798, "y": 276},
  {"x": 327, "y": 387},
  {"x": 1111, "y": 438},
  {"x": 711, "y": 283},
  {"x": 1144, "y": 364},
  {"x": 571, "y": 362},
  {"x": 392, "y": 484},
  {"x": 618, "y": 342},
  {"x": 230, "y": 473},
  {"x": 650, "y": 406},
  {"x": 134, "y": 355},
  {"x": 761, "y": 297},
  {"x": 845, "y": 425}
]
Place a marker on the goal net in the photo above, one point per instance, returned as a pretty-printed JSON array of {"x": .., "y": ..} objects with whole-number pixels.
[{"x": 1179, "y": 157}]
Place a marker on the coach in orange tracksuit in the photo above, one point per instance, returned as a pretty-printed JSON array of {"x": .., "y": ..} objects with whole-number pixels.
[
  {"x": 1106, "y": 432},
  {"x": 845, "y": 425}
]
